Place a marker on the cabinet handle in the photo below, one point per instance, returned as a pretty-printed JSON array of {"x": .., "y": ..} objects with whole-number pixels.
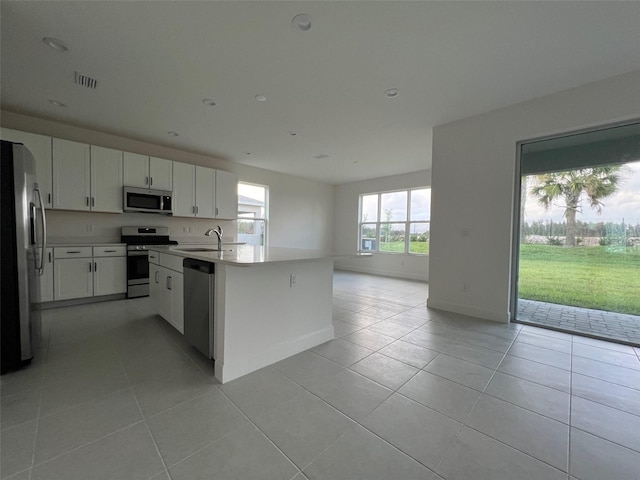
[
  {"x": 95, "y": 266},
  {"x": 155, "y": 277},
  {"x": 93, "y": 201},
  {"x": 150, "y": 180},
  {"x": 169, "y": 282},
  {"x": 197, "y": 209},
  {"x": 49, "y": 257},
  {"x": 49, "y": 199},
  {"x": 193, "y": 208},
  {"x": 90, "y": 267},
  {"x": 87, "y": 199},
  {"x": 216, "y": 211},
  {"x": 146, "y": 180},
  {"x": 73, "y": 251},
  {"x": 110, "y": 251}
]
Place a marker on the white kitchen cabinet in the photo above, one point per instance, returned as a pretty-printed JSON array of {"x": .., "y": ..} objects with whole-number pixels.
[
  {"x": 143, "y": 171},
  {"x": 45, "y": 281},
  {"x": 226, "y": 192},
  {"x": 205, "y": 192},
  {"x": 73, "y": 278},
  {"x": 184, "y": 192},
  {"x": 166, "y": 290},
  {"x": 193, "y": 191},
  {"x": 106, "y": 180},
  {"x": 40, "y": 147},
  {"x": 177, "y": 300},
  {"x": 71, "y": 175},
  {"x": 109, "y": 275},
  {"x": 89, "y": 271}
]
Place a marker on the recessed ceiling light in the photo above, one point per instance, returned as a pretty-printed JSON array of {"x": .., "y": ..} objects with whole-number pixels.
[
  {"x": 209, "y": 102},
  {"x": 57, "y": 103},
  {"x": 321, "y": 156},
  {"x": 247, "y": 153},
  {"x": 260, "y": 98},
  {"x": 55, "y": 44},
  {"x": 301, "y": 22},
  {"x": 392, "y": 93},
  {"x": 173, "y": 134},
  {"x": 292, "y": 133}
]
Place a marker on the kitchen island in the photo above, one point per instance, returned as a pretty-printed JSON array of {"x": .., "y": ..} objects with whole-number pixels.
[{"x": 268, "y": 303}]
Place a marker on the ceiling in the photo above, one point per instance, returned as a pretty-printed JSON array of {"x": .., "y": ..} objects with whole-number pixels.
[{"x": 155, "y": 62}]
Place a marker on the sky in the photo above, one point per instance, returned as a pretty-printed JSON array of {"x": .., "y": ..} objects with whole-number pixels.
[{"x": 623, "y": 204}]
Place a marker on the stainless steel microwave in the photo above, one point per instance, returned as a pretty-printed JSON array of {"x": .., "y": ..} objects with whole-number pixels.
[{"x": 149, "y": 201}]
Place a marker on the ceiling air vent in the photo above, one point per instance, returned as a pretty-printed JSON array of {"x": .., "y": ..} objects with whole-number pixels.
[{"x": 85, "y": 81}]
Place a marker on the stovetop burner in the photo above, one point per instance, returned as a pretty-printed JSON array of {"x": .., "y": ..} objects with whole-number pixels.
[{"x": 146, "y": 236}]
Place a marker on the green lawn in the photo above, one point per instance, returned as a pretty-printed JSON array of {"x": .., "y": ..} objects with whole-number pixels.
[
  {"x": 590, "y": 277},
  {"x": 398, "y": 247}
]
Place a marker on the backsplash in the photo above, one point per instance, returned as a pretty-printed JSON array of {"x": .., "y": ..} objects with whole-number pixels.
[{"x": 82, "y": 227}]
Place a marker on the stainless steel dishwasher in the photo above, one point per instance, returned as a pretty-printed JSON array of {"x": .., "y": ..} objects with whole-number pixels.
[{"x": 199, "y": 282}]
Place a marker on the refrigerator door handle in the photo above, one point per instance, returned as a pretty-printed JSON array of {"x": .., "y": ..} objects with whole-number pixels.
[{"x": 43, "y": 224}]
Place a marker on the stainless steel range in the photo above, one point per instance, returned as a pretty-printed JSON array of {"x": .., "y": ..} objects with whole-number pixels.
[{"x": 139, "y": 240}]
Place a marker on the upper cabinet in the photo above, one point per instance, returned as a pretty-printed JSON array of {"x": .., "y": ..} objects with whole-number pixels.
[
  {"x": 204, "y": 192},
  {"x": 40, "y": 147},
  {"x": 184, "y": 190},
  {"x": 86, "y": 177},
  {"x": 143, "y": 171},
  {"x": 106, "y": 180},
  {"x": 71, "y": 175},
  {"x": 226, "y": 195}
]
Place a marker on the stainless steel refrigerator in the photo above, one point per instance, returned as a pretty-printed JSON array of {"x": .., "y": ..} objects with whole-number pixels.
[{"x": 23, "y": 236}]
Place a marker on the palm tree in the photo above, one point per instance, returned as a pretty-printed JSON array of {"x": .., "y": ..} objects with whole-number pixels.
[{"x": 596, "y": 183}]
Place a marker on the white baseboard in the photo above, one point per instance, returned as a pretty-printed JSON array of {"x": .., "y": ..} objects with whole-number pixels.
[
  {"x": 384, "y": 273},
  {"x": 226, "y": 373},
  {"x": 468, "y": 310}
]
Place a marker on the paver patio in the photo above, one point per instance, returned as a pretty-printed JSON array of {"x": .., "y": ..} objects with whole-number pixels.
[{"x": 618, "y": 327}]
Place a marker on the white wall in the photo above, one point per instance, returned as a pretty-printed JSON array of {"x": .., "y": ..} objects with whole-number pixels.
[
  {"x": 473, "y": 177},
  {"x": 345, "y": 236},
  {"x": 301, "y": 211}
]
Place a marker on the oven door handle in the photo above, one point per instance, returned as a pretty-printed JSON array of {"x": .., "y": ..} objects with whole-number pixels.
[{"x": 137, "y": 253}]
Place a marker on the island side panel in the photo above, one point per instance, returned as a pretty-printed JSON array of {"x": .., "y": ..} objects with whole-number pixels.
[{"x": 262, "y": 319}]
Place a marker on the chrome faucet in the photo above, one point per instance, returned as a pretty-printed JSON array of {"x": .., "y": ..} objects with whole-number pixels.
[{"x": 219, "y": 232}]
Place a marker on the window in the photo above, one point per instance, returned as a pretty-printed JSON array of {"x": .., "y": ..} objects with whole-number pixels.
[
  {"x": 395, "y": 222},
  {"x": 252, "y": 213}
]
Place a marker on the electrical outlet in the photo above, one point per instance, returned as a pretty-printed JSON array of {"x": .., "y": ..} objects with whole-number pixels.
[
  {"x": 465, "y": 286},
  {"x": 292, "y": 280},
  {"x": 184, "y": 230},
  {"x": 90, "y": 227}
]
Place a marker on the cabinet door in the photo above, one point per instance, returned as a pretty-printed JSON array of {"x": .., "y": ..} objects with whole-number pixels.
[
  {"x": 164, "y": 305},
  {"x": 46, "y": 280},
  {"x": 205, "y": 194},
  {"x": 106, "y": 180},
  {"x": 160, "y": 171},
  {"x": 136, "y": 170},
  {"x": 109, "y": 275},
  {"x": 177, "y": 302},
  {"x": 40, "y": 147},
  {"x": 226, "y": 195},
  {"x": 71, "y": 175},
  {"x": 155, "y": 289},
  {"x": 73, "y": 278},
  {"x": 183, "y": 189}
]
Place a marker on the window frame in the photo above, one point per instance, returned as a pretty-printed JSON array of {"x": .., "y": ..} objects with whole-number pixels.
[
  {"x": 265, "y": 218},
  {"x": 378, "y": 224}
]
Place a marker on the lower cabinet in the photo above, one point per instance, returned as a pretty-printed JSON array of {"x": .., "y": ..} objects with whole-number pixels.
[
  {"x": 45, "y": 281},
  {"x": 166, "y": 291},
  {"x": 81, "y": 272}
]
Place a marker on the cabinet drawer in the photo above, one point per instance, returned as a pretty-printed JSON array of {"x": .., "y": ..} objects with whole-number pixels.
[
  {"x": 111, "y": 251},
  {"x": 153, "y": 258},
  {"x": 72, "y": 252},
  {"x": 174, "y": 262}
]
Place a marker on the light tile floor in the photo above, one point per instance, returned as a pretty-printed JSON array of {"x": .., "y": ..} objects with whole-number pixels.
[{"x": 404, "y": 392}]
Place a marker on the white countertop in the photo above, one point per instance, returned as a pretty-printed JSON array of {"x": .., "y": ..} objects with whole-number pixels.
[{"x": 247, "y": 255}]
